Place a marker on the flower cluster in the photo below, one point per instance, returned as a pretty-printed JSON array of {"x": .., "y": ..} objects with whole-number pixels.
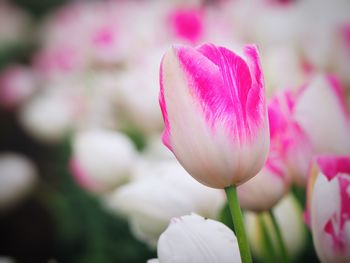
[{"x": 152, "y": 93}]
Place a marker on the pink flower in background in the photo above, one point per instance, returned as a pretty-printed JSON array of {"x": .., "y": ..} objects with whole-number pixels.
[
  {"x": 59, "y": 60},
  {"x": 289, "y": 157},
  {"x": 329, "y": 204},
  {"x": 187, "y": 23},
  {"x": 313, "y": 120},
  {"x": 214, "y": 109},
  {"x": 17, "y": 83},
  {"x": 289, "y": 142}
]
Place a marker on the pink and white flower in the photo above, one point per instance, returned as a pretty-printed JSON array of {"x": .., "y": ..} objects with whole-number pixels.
[
  {"x": 329, "y": 203},
  {"x": 289, "y": 142},
  {"x": 214, "y": 110},
  {"x": 321, "y": 112}
]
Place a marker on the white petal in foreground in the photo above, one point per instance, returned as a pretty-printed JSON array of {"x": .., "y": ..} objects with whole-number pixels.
[{"x": 193, "y": 238}]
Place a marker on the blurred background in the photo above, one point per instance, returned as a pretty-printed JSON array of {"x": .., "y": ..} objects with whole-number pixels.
[{"x": 84, "y": 176}]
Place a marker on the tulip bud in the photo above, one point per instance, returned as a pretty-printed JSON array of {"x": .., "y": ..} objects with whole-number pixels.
[
  {"x": 321, "y": 112},
  {"x": 289, "y": 142},
  {"x": 214, "y": 110},
  {"x": 151, "y": 202},
  {"x": 192, "y": 238},
  {"x": 101, "y": 159},
  {"x": 288, "y": 214},
  {"x": 17, "y": 178},
  {"x": 48, "y": 117},
  {"x": 329, "y": 204}
]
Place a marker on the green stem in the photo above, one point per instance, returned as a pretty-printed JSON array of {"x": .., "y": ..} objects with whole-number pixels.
[
  {"x": 269, "y": 254},
  {"x": 280, "y": 240},
  {"x": 237, "y": 219}
]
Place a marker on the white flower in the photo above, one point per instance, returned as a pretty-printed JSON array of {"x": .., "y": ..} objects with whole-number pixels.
[
  {"x": 193, "y": 238},
  {"x": 102, "y": 159},
  {"x": 321, "y": 112},
  {"x": 48, "y": 117},
  {"x": 151, "y": 202},
  {"x": 17, "y": 177}
]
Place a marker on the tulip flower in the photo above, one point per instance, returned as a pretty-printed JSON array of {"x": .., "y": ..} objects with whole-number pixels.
[
  {"x": 321, "y": 112},
  {"x": 291, "y": 148},
  {"x": 17, "y": 178},
  {"x": 115, "y": 152},
  {"x": 193, "y": 238},
  {"x": 329, "y": 204},
  {"x": 214, "y": 110},
  {"x": 290, "y": 153},
  {"x": 48, "y": 117},
  {"x": 165, "y": 191}
]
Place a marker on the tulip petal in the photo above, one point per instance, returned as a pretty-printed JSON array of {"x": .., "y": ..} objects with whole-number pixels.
[
  {"x": 321, "y": 112},
  {"x": 330, "y": 208},
  {"x": 206, "y": 122},
  {"x": 288, "y": 141},
  {"x": 197, "y": 239},
  {"x": 331, "y": 166},
  {"x": 223, "y": 83}
]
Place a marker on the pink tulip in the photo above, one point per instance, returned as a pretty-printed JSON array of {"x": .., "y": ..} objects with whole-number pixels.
[
  {"x": 329, "y": 203},
  {"x": 289, "y": 142},
  {"x": 289, "y": 156},
  {"x": 214, "y": 110}
]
